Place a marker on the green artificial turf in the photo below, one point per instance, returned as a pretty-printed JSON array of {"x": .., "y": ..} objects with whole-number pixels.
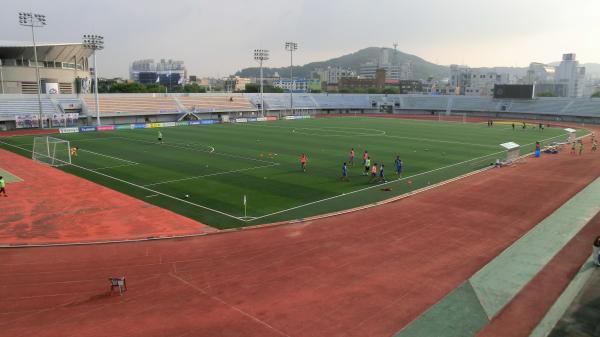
[{"x": 217, "y": 165}]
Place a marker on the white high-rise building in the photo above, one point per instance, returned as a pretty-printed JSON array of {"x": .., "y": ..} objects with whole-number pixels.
[
  {"x": 474, "y": 82},
  {"x": 572, "y": 75},
  {"x": 332, "y": 75}
]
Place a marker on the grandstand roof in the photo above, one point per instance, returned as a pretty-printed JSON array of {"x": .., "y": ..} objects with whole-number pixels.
[{"x": 62, "y": 52}]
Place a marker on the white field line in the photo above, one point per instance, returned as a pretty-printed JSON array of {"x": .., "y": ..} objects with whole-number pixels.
[
  {"x": 111, "y": 157},
  {"x": 212, "y": 151},
  {"x": 389, "y": 182},
  {"x": 442, "y": 141},
  {"x": 212, "y": 174},
  {"x": 381, "y": 134},
  {"x": 115, "y": 166},
  {"x": 136, "y": 185},
  {"x": 152, "y": 196}
]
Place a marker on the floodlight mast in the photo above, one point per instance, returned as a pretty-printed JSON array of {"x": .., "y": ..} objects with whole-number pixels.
[
  {"x": 261, "y": 55},
  {"x": 95, "y": 42},
  {"x": 32, "y": 20},
  {"x": 291, "y": 47}
]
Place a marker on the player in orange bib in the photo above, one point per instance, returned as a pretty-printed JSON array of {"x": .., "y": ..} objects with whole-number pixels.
[
  {"x": 352, "y": 154},
  {"x": 74, "y": 150},
  {"x": 303, "y": 161}
]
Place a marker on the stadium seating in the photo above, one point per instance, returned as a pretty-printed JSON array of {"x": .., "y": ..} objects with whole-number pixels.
[
  {"x": 131, "y": 104},
  {"x": 152, "y": 104},
  {"x": 24, "y": 104},
  {"x": 215, "y": 103}
]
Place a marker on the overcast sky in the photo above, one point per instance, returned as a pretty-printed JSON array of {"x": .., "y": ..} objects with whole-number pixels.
[{"x": 216, "y": 38}]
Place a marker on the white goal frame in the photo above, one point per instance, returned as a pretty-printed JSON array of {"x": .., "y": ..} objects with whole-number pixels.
[
  {"x": 451, "y": 117},
  {"x": 51, "y": 151}
]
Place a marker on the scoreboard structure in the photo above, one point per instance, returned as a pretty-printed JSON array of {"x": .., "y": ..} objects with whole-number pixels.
[{"x": 514, "y": 91}]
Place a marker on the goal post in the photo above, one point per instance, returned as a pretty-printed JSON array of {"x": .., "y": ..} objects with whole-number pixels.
[
  {"x": 51, "y": 151},
  {"x": 460, "y": 117}
]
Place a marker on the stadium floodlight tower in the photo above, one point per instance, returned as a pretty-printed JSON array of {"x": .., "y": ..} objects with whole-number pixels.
[
  {"x": 95, "y": 42},
  {"x": 261, "y": 55},
  {"x": 34, "y": 20},
  {"x": 291, "y": 47}
]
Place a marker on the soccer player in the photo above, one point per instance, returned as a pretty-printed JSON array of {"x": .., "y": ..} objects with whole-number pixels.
[
  {"x": 3, "y": 186},
  {"x": 398, "y": 164},
  {"x": 594, "y": 146},
  {"x": 580, "y": 147},
  {"x": 367, "y": 166},
  {"x": 344, "y": 172},
  {"x": 573, "y": 147},
  {"x": 365, "y": 156},
  {"x": 160, "y": 137},
  {"x": 303, "y": 161},
  {"x": 374, "y": 172},
  {"x": 513, "y": 126},
  {"x": 352, "y": 154},
  {"x": 381, "y": 174},
  {"x": 74, "y": 150}
]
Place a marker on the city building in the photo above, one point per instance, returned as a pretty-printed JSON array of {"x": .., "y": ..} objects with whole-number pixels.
[
  {"x": 405, "y": 86},
  {"x": 236, "y": 83},
  {"x": 332, "y": 75},
  {"x": 474, "y": 82},
  {"x": 364, "y": 83},
  {"x": 565, "y": 80},
  {"x": 298, "y": 85},
  {"x": 166, "y": 72},
  {"x": 394, "y": 70},
  {"x": 540, "y": 73},
  {"x": 572, "y": 75},
  {"x": 64, "y": 68}
]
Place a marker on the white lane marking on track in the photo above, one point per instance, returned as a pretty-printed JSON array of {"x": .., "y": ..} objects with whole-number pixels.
[
  {"x": 232, "y": 307},
  {"x": 136, "y": 185},
  {"x": 212, "y": 174}
]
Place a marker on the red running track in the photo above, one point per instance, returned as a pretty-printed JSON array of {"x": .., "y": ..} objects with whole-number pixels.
[
  {"x": 367, "y": 273},
  {"x": 51, "y": 206}
]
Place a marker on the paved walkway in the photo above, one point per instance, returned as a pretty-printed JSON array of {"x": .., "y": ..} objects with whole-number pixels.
[{"x": 582, "y": 319}]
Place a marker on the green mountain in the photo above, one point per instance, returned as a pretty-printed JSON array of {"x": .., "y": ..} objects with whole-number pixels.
[{"x": 421, "y": 68}]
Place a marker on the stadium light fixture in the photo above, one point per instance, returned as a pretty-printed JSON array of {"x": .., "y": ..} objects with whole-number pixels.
[
  {"x": 261, "y": 55},
  {"x": 291, "y": 47},
  {"x": 1, "y": 78},
  {"x": 94, "y": 42},
  {"x": 34, "y": 20}
]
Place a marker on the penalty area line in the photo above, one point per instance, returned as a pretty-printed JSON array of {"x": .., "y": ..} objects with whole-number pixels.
[
  {"x": 211, "y": 175},
  {"x": 136, "y": 185}
]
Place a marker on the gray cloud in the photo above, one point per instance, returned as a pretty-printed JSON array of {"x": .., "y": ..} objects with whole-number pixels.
[{"x": 217, "y": 37}]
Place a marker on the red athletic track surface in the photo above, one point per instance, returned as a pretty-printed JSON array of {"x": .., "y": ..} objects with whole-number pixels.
[
  {"x": 524, "y": 312},
  {"x": 52, "y": 206},
  {"x": 366, "y": 273}
]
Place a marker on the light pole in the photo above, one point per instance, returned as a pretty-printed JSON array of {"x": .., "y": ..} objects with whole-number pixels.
[
  {"x": 261, "y": 55},
  {"x": 95, "y": 42},
  {"x": 1, "y": 77},
  {"x": 291, "y": 47},
  {"x": 34, "y": 20}
]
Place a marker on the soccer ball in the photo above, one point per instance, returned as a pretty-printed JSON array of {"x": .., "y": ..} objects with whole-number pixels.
[{"x": 187, "y": 195}]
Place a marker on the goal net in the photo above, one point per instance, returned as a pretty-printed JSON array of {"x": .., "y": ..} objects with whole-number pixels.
[
  {"x": 51, "y": 151},
  {"x": 452, "y": 117}
]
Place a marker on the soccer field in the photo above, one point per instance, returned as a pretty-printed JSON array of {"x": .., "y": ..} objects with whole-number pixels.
[{"x": 217, "y": 165}]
